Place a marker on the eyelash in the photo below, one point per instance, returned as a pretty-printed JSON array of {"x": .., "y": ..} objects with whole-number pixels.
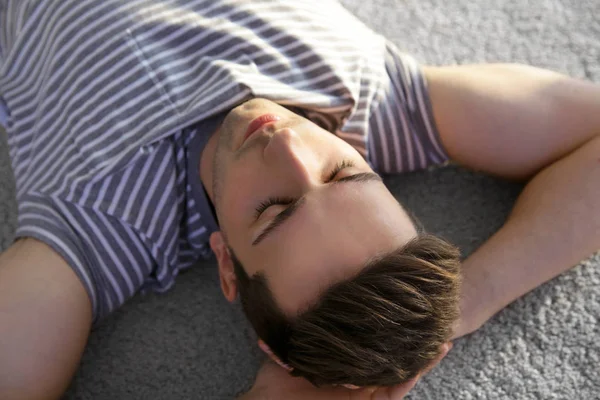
[{"x": 262, "y": 207}]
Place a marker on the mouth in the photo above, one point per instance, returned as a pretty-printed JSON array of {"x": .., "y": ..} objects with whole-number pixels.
[{"x": 259, "y": 122}]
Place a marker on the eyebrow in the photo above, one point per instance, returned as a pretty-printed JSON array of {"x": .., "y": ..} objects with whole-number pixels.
[{"x": 296, "y": 205}]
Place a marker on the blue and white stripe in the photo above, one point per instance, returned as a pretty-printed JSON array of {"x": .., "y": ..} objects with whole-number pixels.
[{"x": 103, "y": 98}]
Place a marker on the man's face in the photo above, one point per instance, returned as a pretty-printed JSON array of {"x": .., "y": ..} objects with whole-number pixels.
[{"x": 332, "y": 213}]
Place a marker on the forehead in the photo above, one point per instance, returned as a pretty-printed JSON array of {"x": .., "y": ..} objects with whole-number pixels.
[{"x": 331, "y": 238}]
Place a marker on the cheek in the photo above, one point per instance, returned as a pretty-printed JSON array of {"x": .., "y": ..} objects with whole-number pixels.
[
  {"x": 242, "y": 182},
  {"x": 237, "y": 191},
  {"x": 343, "y": 149}
]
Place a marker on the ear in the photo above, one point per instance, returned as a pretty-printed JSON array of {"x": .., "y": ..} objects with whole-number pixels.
[
  {"x": 226, "y": 274},
  {"x": 264, "y": 347}
]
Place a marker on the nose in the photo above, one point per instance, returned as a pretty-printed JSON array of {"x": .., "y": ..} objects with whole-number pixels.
[{"x": 291, "y": 156}]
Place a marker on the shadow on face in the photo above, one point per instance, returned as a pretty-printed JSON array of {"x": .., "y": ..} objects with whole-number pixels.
[{"x": 298, "y": 204}]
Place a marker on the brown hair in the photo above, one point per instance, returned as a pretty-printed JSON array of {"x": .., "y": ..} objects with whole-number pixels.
[{"x": 378, "y": 328}]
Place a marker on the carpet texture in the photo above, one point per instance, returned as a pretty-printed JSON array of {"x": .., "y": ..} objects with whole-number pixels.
[{"x": 190, "y": 344}]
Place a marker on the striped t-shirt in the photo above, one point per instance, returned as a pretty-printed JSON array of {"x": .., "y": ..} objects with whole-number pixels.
[{"x": 110, "y": 102}]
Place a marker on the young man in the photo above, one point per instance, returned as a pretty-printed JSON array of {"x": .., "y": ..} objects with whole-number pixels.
[{"x": 129, "y": 120}]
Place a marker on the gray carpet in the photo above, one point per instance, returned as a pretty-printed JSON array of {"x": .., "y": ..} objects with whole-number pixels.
[{"x": 190, "y": 344}]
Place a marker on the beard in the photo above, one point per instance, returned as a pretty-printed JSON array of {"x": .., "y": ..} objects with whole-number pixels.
[{"x": 223, "y": 154}]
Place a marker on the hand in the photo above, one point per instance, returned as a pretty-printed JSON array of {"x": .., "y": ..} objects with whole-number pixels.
[
  {"x": 274, "y": 383},
  {"x": 465, "y": 324}
]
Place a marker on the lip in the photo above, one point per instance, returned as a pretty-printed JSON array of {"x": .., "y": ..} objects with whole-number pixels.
[{"x": 259, "y": 122}]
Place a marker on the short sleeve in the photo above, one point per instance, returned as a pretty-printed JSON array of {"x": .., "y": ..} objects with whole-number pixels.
[
  {"x": 403, "y": 135},
  {"x": 110, "y": 258},
  {"x": 128, "y": 229}
]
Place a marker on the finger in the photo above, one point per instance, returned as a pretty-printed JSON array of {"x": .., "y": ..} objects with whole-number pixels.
[
  {"x": 399, "y": 391},
  {"x": 444, "y": 349},
  {"x": 361, "y": 394},
  {"x": 395, "y": 392}
]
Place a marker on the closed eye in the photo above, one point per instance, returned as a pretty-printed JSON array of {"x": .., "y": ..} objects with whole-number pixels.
[
  {"x": 285, "y": 215},
  {"x": 284, "y": 201}
]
